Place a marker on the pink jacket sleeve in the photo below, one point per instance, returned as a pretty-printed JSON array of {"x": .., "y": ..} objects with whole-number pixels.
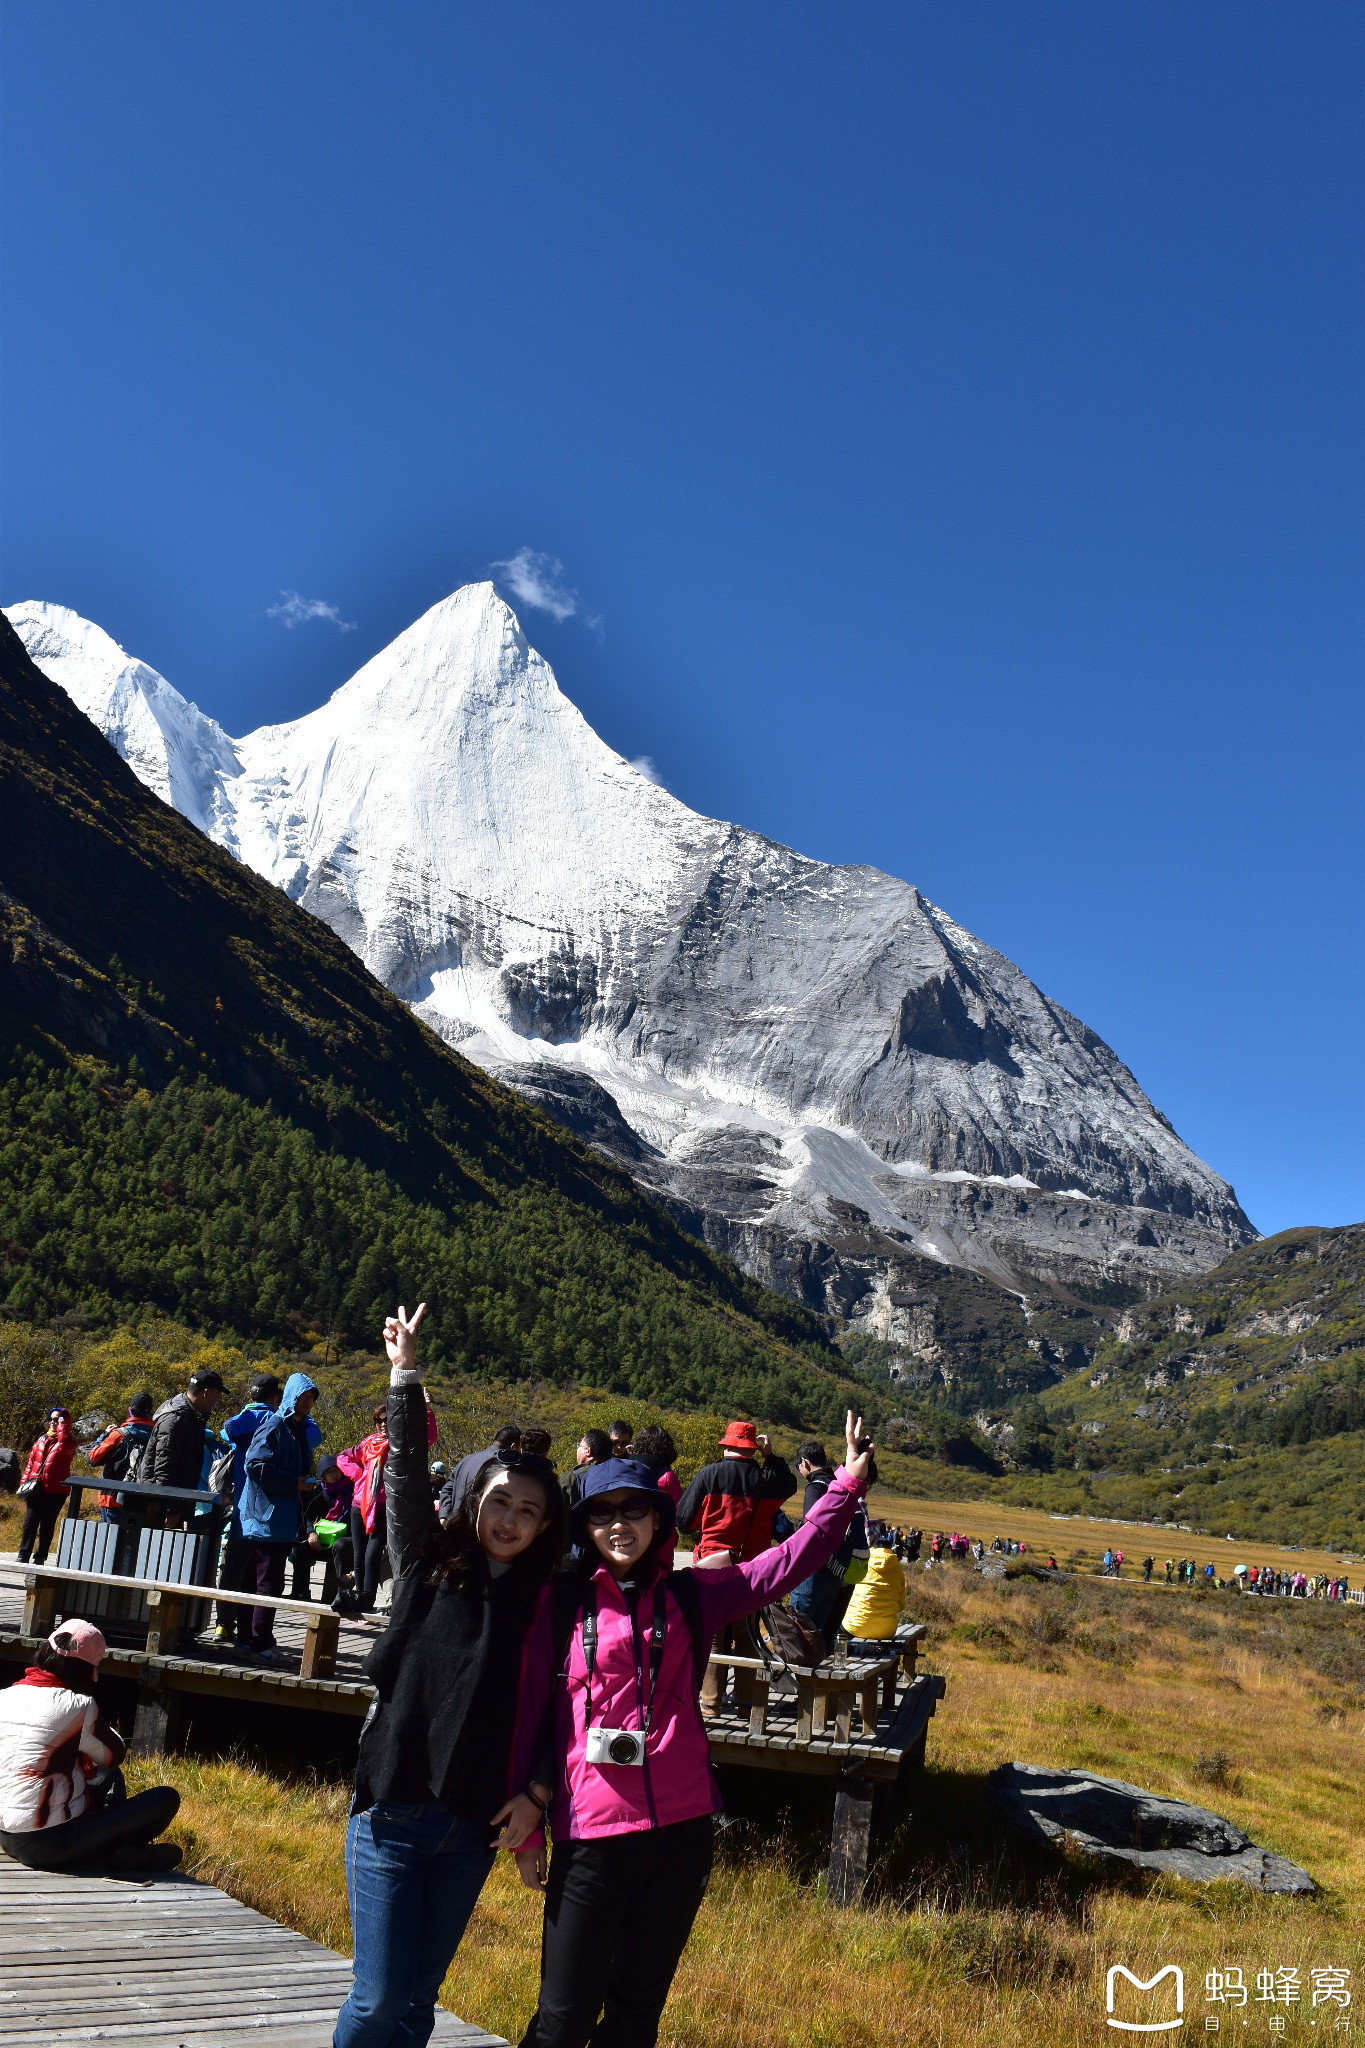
[
  {"x": 348, "y": 1463},
  {"x": 726, "y": 1595}
]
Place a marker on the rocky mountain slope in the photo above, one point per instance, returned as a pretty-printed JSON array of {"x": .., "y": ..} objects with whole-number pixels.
[
  {"x": 209, "y": 1107},
  {"x": 814, "y": 1066},
  {"x": 1234, "y": 1405}
]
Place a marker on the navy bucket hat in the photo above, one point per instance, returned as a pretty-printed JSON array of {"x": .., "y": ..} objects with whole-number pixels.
[{"x": 620, "y": 1475}]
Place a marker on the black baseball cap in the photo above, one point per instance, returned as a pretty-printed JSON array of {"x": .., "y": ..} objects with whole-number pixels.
[{"x": 208, "y": 1378}]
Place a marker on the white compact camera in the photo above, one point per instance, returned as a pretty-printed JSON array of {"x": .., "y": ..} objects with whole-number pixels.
[{"x": 615, "y": 1746}]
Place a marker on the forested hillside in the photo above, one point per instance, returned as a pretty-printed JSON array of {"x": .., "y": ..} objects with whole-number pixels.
[
  {"x": 1234, "y": 1405},
  {"x": 209, "y": 1108}
]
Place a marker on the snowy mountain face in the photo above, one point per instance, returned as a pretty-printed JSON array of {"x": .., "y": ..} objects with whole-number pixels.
[{"x": 815, "y": 1064}]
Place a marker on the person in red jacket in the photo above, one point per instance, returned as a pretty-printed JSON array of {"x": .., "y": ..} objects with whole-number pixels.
[
  {"x": 49, "y": 1463},
  {"x": 731, "y": 1505}
]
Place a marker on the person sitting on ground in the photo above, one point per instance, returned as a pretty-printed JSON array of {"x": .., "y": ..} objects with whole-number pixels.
[
  {"x": 654, "y": 1447},
  {"x": 118, "y": 1454},
  {"x": 731, "y": 1505},
  {"x": 874, "y": 1611},
  {"x": 175, "y": 1450},
  {"x": 277, "y": 1474},
  {"x": 62, "y": 1798},
  {"x": 43, "y": 1486}
]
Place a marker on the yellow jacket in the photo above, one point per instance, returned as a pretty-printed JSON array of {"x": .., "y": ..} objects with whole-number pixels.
[{"x": 877, "y": 1600}]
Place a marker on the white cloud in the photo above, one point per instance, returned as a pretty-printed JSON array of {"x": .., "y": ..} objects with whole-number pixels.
[
  {"x": 293, "y": 610},
  {"x": 538, "y": 581},
  {"x": 644, "y": 766}
]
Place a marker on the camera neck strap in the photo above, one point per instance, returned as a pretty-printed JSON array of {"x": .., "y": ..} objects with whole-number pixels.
[{"x": 658, "y": 1635}]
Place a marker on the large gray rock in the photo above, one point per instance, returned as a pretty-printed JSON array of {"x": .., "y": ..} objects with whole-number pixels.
[{"x": 1123, "y": 1824}]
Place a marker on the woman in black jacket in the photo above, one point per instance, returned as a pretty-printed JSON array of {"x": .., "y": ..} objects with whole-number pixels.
[{"x": 431, "y": 1786}]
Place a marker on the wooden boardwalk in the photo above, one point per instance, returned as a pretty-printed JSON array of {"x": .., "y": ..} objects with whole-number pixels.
[
  {"x": 166, "y": 1961},
  {"x": 871, "y": 1754}
]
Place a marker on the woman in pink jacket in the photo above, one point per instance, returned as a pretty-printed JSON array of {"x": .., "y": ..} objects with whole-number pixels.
[{"x": 610, "y": 1737}]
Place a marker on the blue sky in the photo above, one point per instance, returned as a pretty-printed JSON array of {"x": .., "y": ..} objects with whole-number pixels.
[{"x": 949, "y": 419}]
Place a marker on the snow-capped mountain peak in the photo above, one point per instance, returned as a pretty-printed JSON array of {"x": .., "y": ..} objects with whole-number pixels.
[
  {"x": 167, "y": 742},
  {"x": 789, "y": 1050}
]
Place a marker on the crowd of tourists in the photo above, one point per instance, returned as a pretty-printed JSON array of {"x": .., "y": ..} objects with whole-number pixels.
[{"x": 546, "y": 1664}]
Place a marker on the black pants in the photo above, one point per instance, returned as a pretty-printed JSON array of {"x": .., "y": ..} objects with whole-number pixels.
[
  {"x": 237, "y": 1574},
  {"x": 301, "y": 1558},
  {"x": 267, "y": 1568},
  {"x": 130, "y": 1823},
  {"x": 40, "y": 1519},
  {"x": 371, "y": 1554},
  {"x": 618, "y": 1912}
]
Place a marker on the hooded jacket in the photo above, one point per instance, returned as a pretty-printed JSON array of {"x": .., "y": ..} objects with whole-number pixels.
[
  {"x": 875, "y": 1608},
  {"x": 675, "y": 1783},
  {"x": 278, "y": 1456},
  {"x": 50, "y": 1459},
  {"x": 239, "y": 1429}
]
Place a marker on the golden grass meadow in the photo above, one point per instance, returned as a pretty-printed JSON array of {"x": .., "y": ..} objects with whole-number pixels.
[{"x": 1256, "y": 1708}]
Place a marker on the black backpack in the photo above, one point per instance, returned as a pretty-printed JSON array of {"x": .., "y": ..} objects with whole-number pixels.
[{"x": 782, "y": 1636}]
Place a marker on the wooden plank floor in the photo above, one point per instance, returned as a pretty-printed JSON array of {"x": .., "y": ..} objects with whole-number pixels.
[{"x": 169, "y": 1962}]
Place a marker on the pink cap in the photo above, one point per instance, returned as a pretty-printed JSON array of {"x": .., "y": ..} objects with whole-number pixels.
[{"x": 78, "y": 1639}]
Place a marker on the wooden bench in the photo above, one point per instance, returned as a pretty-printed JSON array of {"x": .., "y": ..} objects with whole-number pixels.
[
  {"x": 166, "y": 1603},
  {"x": 825, "y": 1694},
  {"x": 904, "y": 1645}
]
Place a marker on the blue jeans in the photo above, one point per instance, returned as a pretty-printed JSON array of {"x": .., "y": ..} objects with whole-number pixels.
[{"x": 413, "y": 1877}]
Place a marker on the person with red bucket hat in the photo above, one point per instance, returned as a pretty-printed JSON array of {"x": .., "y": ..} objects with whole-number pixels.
[
  {"x": 731, "y": 1505},
  {"x": 62, "y": 1796}
]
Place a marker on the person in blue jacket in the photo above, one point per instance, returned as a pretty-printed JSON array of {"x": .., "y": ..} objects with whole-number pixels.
[
  {"x": 279, "y": 1463},
  {"x": 264, "y": 1395}
]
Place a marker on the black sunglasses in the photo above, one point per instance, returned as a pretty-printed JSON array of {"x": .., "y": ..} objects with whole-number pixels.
[{"x": 638, "y": 1509}]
